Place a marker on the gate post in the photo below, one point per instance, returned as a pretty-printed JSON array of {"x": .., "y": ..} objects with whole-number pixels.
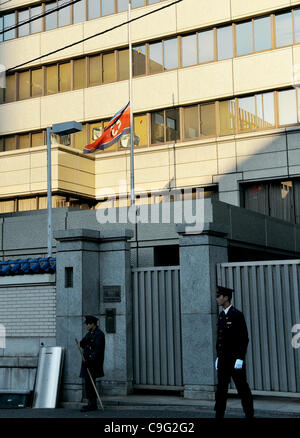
[{"x": 199, "y": 254}]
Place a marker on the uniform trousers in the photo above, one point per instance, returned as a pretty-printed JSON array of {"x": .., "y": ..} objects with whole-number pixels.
[
  {"x": 89, "y": 390},
  {"x": 226, "y": 370}
]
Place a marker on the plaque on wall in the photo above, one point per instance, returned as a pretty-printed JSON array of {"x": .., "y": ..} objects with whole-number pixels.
[{"x": 112, "y": 294}]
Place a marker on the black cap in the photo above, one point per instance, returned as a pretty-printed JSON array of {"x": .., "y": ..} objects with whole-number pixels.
[
  {"x": 225, "y": 291},
  {"x": 89, "y": 319}
]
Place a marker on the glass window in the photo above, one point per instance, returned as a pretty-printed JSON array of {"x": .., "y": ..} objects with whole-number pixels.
[
  {"x": 189, "y": 50},
  {"x": 171, "y": 54},
  {"x": 284, "y": 29},
  {"x": 35, "y": 25},
  {"x": 265, "y": 110},
  {"x": 24, "y": 29},
  {"x": 64, "y": 14},
  {"x": 79, "y": 12},
  {"x": 208, "y": 119},
  {"x": 172, "y": 125},
  {"x": 256, "y": 198},
  {"x": 122, "y": 5},
  {"x": 139, "y": 60},
  {"x": 51, "y": 80},
  {"x": 262, "y": 34},
  {"x": 137, "y": 3},
  {"x": 79, "y": 75},
  {"x": 24, "y": 141},
  {"x": 108, "y": 68},
  {"x": 140, "y": 130},
  {"x": 37, "y": 82},
  {"x": 107, "y": 7},
  {"x": 287, "y": 107},
  {"x": 206, "y": 46},
  {"x": 191, "y": 121},
  {"x": 9, "y": 21},
  {"x": 151, "y": 2},
  {"x": 297, "y": 25},
  {"x": 10, "y": 88},
  {"x": 155, "y": 57},
  {"x": 247, "y": 118},
  {"x": 225, "y": 44},
  {"x": 227, "y": 117},
  {"x": 51, "y": 18},
  {"x": 95, "y": 70},
  {"x": 244, "y": 38},
  {"x": 1, "y": 29},
  {"x": 1, "y": 144},
  {"x": 123, "y": 64},
  {"x": 64, "y": 75},
  {"x": 24, "y": 85},
  {"x": 10, "y": 143},
  {"x": 96, "y": 130},
  {"x": 93, "y": 9},
  {"x": 80, "y": 138},
  {"x": 37, "y": 139},
  {"x": 157, "y": 127}
]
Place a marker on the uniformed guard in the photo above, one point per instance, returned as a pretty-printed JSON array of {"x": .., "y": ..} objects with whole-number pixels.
[
  {"x": 232, "y": 342},
  {"x": 93, "y": 345}
]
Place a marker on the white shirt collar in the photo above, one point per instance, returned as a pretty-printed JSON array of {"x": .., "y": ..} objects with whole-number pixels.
[{"x": 227, "y": 308}]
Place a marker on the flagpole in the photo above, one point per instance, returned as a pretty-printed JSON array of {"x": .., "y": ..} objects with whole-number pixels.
[{"x": 132, "y": 194}]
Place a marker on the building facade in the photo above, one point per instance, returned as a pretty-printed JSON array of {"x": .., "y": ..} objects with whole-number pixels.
[{"x": 215, "y": 101}]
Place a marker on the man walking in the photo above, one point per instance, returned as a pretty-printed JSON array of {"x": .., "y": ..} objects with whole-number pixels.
[
  {"x": 232, "y": 342},
  {"x": 93, "y": 345}
]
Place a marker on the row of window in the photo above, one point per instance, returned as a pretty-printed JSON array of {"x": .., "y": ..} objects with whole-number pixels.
[
  {"x": 80, "y": 11},
  {"x": 256, "y": 112},
  {"x": 155, "y": 57}
]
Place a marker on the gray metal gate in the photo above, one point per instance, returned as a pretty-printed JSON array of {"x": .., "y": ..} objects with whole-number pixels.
[
  {"x": 157, "y": 327},
  {"x": 268, "y": 295}
]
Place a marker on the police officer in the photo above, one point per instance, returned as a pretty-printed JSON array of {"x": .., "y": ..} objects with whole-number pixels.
[
  {"x": 93, "y": 345},
  {"x": 232, "y": 342}
]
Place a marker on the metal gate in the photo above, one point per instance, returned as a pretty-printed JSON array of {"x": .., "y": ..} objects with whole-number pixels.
[
  {"x": 157, "y": 327},
  {"x": 268, "y": 295}
]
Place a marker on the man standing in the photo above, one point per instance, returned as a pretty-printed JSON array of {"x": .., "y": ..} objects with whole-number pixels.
[
  {"x": 93, "y": 345},
  {"x": 232, "y": 342}
]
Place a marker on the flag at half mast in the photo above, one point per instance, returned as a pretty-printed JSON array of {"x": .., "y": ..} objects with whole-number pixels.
[{"x": 117, "y": 126}]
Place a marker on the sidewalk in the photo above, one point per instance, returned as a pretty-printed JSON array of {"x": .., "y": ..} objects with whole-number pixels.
[{"x": 263, "y": 406}]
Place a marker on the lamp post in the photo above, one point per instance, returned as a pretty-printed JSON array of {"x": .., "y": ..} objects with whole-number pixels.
[{"x": 60, "y": 129}]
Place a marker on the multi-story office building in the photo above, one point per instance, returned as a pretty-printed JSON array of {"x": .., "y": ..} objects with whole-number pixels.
[{"x": 215, "y": 101}]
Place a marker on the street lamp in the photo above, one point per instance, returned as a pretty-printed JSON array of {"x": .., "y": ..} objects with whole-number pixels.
[{"x": 60, "y": 129}]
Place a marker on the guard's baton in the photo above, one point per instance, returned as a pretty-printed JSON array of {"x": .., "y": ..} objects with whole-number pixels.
[{"x": 78, "y": 345}]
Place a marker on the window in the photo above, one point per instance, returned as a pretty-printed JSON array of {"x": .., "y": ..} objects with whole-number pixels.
[
  {"x": 37, "y": 82},
  {"x": 122, "y": 5},
  {"x": 93, "y": 9},
  {"x": 123, "y": 64},
  {"x": 35, "y": 25},
  {"x": 287, "y": 107},
  {"x": 37, "y": 139},
  {"x": 139, "y": 60},
  {"x": 9, "y": 21},
  {"x": 23, "y": 141},
  {"x": 297, "y": 25},
  {"x": 137, "y": 3},
  {"x": 64, "y": 14},
  {"x": 157, "y": 127},
  {"x": 10, "y": 143},
  {"x": 189, "y": 50},
  {"x": 51, "y": 80},
  {"x": 22, "y": 17},
  {"x": 265, "y": 110},
  {"x": 1, "y": 29},
  {"x": 141, "y": 130},
  {"x": 284, "y": 29},
  {"x": 107, "y": 7},
  {"x": 68, "y": 277},
  {"x": 170, "y": 54},
  {"x": 191, "y": 121},
  {"x": 262, "y": 34},
  {"x": 247, "y": 116},
  {"x": 24, "y": 85},
  {"x": 80, "y": 138},
  {"x": 208, "y": 119},
  {"x": 108, "y": 68},
  {"x": 96, "y": 130},
  {"x": 206, "y": 46},
  {"x": 51, "y": 18},
  {"x": 172, "y": 125},
  {"x": 244, "y": 38},
  {"x": 94, "y": 70},
  {"x": 79, "y": 72},
  {"x": 155, "y": 57},
  {"x": 10, "y": 89},
  {"x": 64, "y": 74},
  {"x": 227, "y": 117},
  {"x": 79, "y": 12},
  {"x": 225, "y": 44}
]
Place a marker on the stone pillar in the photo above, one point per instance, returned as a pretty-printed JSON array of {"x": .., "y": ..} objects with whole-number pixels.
[
  {"x": 115, "y": 273},
  {"x": 199, "y": 254},
  {"x": 77, "y": 294}
]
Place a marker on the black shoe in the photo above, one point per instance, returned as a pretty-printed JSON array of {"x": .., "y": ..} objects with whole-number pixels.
[{"x": 88, "y": 408}]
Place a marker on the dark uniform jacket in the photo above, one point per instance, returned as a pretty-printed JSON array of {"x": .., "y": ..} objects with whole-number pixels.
[
  {"x": 93, "y": 345},
  {"x": 232, "y": 335}
]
